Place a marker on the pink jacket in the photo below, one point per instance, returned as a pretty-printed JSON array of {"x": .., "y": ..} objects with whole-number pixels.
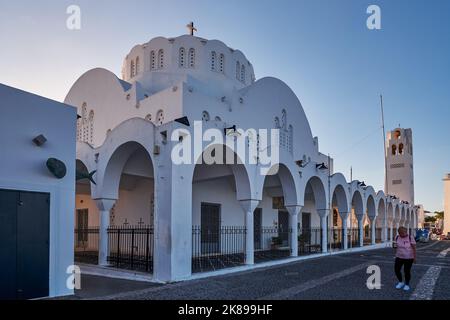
[{"x": 404, "y": 247}]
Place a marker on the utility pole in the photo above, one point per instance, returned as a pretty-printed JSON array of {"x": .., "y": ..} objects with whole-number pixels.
[{"x": 386, "y": 189}]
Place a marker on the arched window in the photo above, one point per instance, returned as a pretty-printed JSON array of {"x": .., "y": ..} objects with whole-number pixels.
[
  {"x": 400, "y": 148},
  {"x": 182, "y": 58},
  {"x": 283, "y": 119},
  {"x": 205, "y": 116},
  {"x": 91, "y": 127},
  {"x": 243, "y": 73},
  {"x": 132, "y": 66},
  {"x": 84, "y": 119},
  {"x": 160, "y": 117},
  {"x": 137, "y": 66},
  {"x": 222, "y": 63},
  {"x": 213, "y": 61},
  {"x": 191, "y": 58},
  {"x": 238, "y": 70},
  {"x": 160, "y": 59},
  {"x": 394, "y": 149},
  {"x": 277, "y": 123},
  {"x": 152, "y": 60},
  {"x": 291, "y": 139}
]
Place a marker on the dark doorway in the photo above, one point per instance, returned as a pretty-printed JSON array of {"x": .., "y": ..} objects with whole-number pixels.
[
  {"x": 24, "y": 238},
  {"x": 257, "y": 228},
  {"x": 210, "y": 228},
  {"x": 283, "y": 226},
  {"x": 82, "y": 225}
]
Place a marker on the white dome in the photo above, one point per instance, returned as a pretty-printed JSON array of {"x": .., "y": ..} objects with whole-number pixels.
[{"x": 162, "y": 62}]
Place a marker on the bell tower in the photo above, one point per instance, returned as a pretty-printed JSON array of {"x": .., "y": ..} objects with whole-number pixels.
[{"x": 400, "y": 168}]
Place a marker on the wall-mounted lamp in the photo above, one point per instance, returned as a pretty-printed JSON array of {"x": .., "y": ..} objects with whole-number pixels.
[
  {"x": 321, "y": 166},
  {"x": 183, "y": 120},
  {"x": 39, "y": 140},
  {"x": 231, "y": 132},
  {"x": 302, "y": 163}
]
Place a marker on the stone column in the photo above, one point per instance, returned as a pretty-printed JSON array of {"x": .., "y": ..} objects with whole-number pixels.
[
  {"x": 373, "y": 230},
  {"x": 104, "y": 207},
  {"x": 385, "y": 229},
  {"x": 344, "y": 218},
  {"x": 360, "y": 230},
  {"x": 293, "y": 224},
  {"x": 249, "y": 207},
  {"x": 323, "y": 213}
]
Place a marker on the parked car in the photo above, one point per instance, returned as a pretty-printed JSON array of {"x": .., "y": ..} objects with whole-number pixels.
[{"x": 422, "y": 235}]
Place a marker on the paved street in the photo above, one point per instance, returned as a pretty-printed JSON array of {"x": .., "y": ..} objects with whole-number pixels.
[{"x": 333, "y": 277}]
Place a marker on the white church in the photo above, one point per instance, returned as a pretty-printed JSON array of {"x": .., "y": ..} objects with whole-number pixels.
[{"x": 143, "y": 211}]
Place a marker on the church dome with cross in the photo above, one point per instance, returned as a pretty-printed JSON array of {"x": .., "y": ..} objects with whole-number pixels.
[{"x": 161, "y": 62}]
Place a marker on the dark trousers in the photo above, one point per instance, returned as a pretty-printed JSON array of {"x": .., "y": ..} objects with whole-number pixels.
[{"x": 399, "y": 263}]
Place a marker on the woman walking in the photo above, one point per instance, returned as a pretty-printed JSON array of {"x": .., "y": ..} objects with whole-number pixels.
[{"x": 405, "y": 256}]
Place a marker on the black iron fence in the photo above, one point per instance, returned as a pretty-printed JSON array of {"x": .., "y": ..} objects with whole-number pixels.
[
  {"x": 367, "y": 238},
  {"x": 220, "y": 248},
  {"x": 379, "y": 235},
  {"x": 86, "y": 245},
  {"x": 272, "y": 243},
  {"x": 353, "y": 237},
  {"x": 131, "y": 247},
  {"x": 309, "y": 240},
  {"x": 335, "y": 238}
]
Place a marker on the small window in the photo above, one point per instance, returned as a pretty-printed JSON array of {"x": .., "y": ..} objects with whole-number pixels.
[
  {"x": 277, "y": 123},
  {"x": 148, "y": 117},
  {"x": 160, "y": 117},
  {"x": 222, "y": 63},
  {"x": 182, "y": 58},
  {"x": 132, "y": 69},
  {"x": 238, "y": 70},
  {"x": 283, "y": 119},
  {"x": 161, "y": 59},
  {"x": 137, "y": 66},
  {"x": 191, "y": 58},
  {"x": 152, "y": 60},
  {"x": 400, "y": 148},
  {"x": 394, "y": 149},
  {"x": 213, "y": 61},
  {"x": 218, "y": 119},
  {"x": 243, "y": 74},
  {"x": 205, "y": 116}
]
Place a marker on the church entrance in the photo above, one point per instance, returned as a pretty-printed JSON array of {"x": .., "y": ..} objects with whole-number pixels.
[
  {"x": 210, "y": 228},
  {"x": 218, "y": 225}
]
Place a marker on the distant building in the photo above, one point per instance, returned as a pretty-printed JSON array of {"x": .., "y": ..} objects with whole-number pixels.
[
  {"x": 447, "y": 203},
  {"x": 400, "y": 169}
]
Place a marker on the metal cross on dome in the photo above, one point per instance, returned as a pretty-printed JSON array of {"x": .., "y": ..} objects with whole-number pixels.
[{"x": 191, "y": 28}]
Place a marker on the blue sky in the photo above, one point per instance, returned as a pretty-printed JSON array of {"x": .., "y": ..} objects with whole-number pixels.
[{"x": 321, "y": 49}]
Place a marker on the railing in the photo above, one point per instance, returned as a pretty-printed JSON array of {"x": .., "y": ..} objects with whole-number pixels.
[
  {"x": 131, "y": 247},
  {"x": 272, "y": 243},
  {"x": 367, "y": 238},
  {"x": 309, "y": 240},
  {"x": 353, "y": 237},
  {"x": 335, "y": 238},
  {"x": 86, "y": 245},
  {"x": 378, "y": 235},
  {"x": 217, "y": 249}
]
